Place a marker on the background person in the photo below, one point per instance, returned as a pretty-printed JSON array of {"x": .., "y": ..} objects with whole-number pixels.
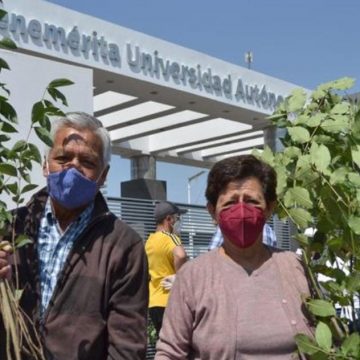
[
  {"x": 85, "y": 274},
  {"x": 243, "y": 300},
  {"x": 165, "y": 257}
]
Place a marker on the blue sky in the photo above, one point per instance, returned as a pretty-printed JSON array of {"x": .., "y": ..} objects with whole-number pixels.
[{"x": 306, "y": 42}]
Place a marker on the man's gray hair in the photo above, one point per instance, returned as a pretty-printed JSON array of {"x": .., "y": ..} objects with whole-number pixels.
[{"x": 82, "y": 121}]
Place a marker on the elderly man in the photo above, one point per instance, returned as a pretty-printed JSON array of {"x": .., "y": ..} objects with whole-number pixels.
[
  {"x": 165, "y": 255},
  {"x": 85, "y": 274}
]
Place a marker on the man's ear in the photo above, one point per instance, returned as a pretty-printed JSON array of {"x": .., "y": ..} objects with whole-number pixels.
[
  {"x": 211, "y": 210},
  {"x": 104, "y": 175},
  {"x": 45, "y": 167}
]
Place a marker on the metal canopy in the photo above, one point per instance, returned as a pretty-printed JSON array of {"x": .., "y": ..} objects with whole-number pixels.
[{"x": 174, "y": 126}]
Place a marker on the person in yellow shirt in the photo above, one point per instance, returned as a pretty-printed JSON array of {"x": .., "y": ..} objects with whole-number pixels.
[{"x": 165, "y": 255}]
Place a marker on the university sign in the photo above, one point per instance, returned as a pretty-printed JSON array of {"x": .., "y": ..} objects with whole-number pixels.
[{"x": 150, "y": 64}]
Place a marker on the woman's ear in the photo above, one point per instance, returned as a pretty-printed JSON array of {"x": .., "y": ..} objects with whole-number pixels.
[
  {"x": 211, "y": 210},
  {"x": 270, "y": 207}
]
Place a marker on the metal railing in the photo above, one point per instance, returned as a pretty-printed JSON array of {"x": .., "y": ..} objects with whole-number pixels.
[{"x": 197, "y": 225}]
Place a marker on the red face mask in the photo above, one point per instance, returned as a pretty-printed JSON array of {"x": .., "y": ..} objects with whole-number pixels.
[{"x": 242, "y": 224}]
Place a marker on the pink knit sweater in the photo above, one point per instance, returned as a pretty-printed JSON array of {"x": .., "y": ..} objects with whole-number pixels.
[{"x": 217, "y": 311}]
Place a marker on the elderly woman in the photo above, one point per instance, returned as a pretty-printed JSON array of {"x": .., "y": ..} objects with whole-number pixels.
[{"x": 243, "y": 300}]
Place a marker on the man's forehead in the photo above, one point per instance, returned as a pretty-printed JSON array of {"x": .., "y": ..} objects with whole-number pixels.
[
  {"x": 69, "y": 137},
  {"x": 76, "y": 137}
]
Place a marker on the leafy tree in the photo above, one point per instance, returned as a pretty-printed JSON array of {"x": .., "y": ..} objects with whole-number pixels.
[
  {"x": 16, "y": 164},
  {"x": 319, "y": 188}
]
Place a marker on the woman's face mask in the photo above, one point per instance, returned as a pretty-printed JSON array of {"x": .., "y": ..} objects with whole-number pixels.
[{"x": 242, "y": 224}]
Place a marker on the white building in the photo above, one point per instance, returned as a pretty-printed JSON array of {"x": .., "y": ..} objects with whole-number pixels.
[{"x": 158, "y": 100}]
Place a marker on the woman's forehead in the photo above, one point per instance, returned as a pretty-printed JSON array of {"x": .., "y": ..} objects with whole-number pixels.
[{"x": 251, "y": 184}]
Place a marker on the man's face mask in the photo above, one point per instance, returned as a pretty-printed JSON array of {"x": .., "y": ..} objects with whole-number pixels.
[
  {"x": 177, "y": 226},
  {"x": 70, "y": 188}
]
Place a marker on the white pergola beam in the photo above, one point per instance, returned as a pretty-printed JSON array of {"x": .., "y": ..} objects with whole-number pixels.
[
  {"x": 194, "y": 133},
  {"x": 223, "y": 141},
  {"x": 123, "y": 116},
  {"x": 234, "y": 147},
  {"x": 155, "y": 125}
]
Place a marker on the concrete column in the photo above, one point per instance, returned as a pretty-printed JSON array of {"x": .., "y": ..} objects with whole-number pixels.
[
  {"x": 143, "y": 167},
  {"x": 272, "y": 136},
  {"x": 143, "y": 183}
]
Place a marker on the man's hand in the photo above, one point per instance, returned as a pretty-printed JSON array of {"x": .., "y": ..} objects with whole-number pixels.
[
  {"x": 167, "y": 282},
  {"x": 5, "y": 260}
]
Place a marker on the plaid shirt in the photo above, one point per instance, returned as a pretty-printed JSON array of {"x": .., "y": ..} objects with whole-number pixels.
[
  {"x": 269, "y": 237},
  {"x": 54, "y": 247}
]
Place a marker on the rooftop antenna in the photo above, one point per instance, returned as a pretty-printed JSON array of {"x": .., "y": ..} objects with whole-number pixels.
[{"x": 249, "y": 58}]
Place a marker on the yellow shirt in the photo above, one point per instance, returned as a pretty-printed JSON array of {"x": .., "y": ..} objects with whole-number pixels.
[{"x": 159, "y": 250}]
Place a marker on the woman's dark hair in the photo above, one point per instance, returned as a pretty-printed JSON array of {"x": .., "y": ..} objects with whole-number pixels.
[{"x": 237, "y": 168}]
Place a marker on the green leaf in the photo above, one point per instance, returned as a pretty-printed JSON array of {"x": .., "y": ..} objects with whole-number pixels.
[
  {"x": 340, "y": 109},
  {"x": 268, "y": 156},
  {"x": 303, "y": 166},
  {"x": 28, "y": 187},
  {"x": 353, "y": 282},
  {"x": 7, "y": 110},
  {"x": 301, "y": 217},
  {"x": 13, "y": 188},
  {"x": 343, "y": 83},
  {"x": 282, "y": 178},
  {"x": 57, "y": 95},
  {"x": 354, "y": 178},
  {"x": 4, "y": 64},
  {"x": 320, "y": 156},
  {"x": 296, "y": 100},
  {"x": 323, "y": 336},
  {"x": 339, "y": 175},
  {"x": 299, "y": 134},
  {"x": 321, "y": 308},
  {"x": 44, "y": 135},
  {"x": 337, "y": 124},
  {"x": 319, "y": 356},
  {"x": 312, "y": 120},
  {"x": 302, "y": 239},
  {"x": 20, "y": 145},
  {"x": 7, "y": 43},
  {"x": 354, "y": 223},
  {"x": 7, "y": 127},
  {"x": 2, "y": 13},
  {"x": 298, "y": 196},
  {"x": 21, "y": 241},
  {"x": 306, "y": 345},
  {"x": 8, "y": 169},
  {"x": 35, "y": 153},
  {"x": 4, "y": 138},
  {"x": 277, "y": 116},
  {"x": 37, "y": 112},
  {"x": 351, "y": 344},
  {"x": 335, "y": 243},
  {"x": 355, "y": 154},
  {"x": 45, "y": 122},
  {"x": 60, "y": 82},
  {"x": 292, "y": 152}
]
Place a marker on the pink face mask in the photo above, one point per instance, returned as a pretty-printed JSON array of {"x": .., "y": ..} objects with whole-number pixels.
[{"x": 242, "y": 224}]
